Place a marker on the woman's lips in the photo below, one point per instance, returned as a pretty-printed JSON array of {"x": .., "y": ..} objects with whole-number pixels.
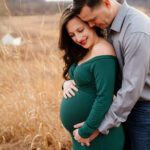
[{"x": 83, "y": 42}]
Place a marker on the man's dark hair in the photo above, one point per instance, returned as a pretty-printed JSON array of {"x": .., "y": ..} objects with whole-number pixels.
[{"x": 79, "y": 4}]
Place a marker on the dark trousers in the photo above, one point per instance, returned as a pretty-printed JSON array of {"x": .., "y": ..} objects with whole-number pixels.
[{"x": 137, "y": 127}]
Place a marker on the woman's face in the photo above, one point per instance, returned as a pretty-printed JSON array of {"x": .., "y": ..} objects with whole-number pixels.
[{"x": 81, "y": 33}]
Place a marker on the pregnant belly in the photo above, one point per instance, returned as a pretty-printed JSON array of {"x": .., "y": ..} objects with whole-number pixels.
[{"x": 76, "y": 109}]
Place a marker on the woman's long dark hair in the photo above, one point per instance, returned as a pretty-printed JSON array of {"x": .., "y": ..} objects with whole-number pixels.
[{"x": 73, "y": 51}]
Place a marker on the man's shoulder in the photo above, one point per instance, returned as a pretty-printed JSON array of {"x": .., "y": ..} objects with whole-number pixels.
[{"x": 137, "y": 21}]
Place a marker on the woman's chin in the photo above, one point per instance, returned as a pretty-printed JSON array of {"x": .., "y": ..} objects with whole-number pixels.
[{"x": 85, "y": 46}]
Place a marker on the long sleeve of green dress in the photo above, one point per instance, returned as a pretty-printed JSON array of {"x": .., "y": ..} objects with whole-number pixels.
[
  {"x": 95, "y": 80},
  {"x": 104, "y": 71}
]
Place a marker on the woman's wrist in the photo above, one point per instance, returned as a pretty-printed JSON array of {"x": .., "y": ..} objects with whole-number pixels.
[{"x": 63, "y": 84}]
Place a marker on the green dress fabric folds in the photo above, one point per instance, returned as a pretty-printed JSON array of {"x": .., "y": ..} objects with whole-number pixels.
[{"x": 95, "y": 80}]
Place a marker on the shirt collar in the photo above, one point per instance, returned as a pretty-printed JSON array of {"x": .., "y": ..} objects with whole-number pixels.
[{"x": 118, "y": 20}]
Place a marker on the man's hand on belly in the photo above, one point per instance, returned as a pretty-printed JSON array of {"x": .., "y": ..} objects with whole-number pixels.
[
  {"x": 91, "y": 138},
  {"x": 68, "y": 88}
]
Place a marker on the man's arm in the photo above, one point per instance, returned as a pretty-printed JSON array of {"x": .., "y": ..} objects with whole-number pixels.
[{"x": 136, "y": 67}]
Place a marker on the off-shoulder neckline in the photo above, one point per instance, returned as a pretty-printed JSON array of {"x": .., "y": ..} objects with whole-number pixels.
[{"x": 99, "y": 56}]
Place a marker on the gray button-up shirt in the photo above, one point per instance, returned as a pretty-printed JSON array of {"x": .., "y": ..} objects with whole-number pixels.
[{"x": 130, "y": 36}]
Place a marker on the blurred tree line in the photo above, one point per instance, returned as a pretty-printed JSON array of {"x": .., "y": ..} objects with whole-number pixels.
[
  {"x": 38, "y": 7},
  {"x": 30, "y": 7}
]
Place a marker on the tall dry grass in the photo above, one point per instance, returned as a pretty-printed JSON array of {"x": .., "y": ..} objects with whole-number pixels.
[{"x": 30, "y": 85}]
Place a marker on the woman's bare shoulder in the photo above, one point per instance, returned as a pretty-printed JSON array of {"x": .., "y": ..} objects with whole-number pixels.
[{"x": 103, "y": 48}]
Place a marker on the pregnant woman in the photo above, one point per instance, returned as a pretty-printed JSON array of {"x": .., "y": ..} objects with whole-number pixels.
[{"x": 91, "y": 62}]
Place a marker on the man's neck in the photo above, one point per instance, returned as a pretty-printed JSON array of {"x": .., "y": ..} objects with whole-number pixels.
[{"x": 115, "y": 6}]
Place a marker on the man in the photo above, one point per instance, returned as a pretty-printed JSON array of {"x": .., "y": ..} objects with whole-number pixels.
[{"x": 129, "y": 32}]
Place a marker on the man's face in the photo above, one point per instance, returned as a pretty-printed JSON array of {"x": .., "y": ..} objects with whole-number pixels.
[{"x": 100, "y": 16}]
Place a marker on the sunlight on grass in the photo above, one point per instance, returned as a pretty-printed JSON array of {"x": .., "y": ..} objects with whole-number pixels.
[{"x": 30, "y": 85}]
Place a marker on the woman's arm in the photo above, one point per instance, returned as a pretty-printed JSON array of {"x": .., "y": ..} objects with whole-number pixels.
[{"x": 104, "y": 71}]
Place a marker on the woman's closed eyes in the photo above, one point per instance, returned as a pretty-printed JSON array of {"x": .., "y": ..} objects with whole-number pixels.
[{"x": 79, "y": 30}]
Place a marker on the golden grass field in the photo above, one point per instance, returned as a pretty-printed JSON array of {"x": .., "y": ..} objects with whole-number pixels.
[{"x": 30, "y": 85}]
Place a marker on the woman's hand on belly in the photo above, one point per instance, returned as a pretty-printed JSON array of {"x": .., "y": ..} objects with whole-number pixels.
[{"x": 68, "y": 88}]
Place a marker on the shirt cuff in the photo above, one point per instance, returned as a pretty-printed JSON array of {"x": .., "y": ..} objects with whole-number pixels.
[{"x": 108, "y": 123}]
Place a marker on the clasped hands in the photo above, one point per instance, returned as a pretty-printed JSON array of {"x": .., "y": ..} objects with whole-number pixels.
[{"x": 84, "y": 141}]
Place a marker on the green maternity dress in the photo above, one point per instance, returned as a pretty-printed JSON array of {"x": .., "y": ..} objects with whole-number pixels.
[{"x": 95, "y": 81}]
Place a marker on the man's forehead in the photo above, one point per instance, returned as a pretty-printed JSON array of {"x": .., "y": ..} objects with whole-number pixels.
[{"x": 85, "y": 14}]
